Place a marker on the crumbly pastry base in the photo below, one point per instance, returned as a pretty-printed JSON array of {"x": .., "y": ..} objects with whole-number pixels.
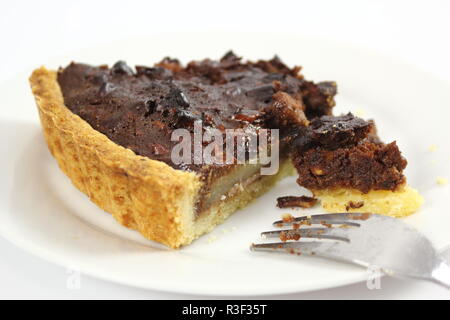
[
  {"x": 398, "y": 203},
  {"x": 143, "y": 194}
]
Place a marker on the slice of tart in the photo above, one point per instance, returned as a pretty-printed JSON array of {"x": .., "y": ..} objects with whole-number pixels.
[{"x": 111, "y": 131}]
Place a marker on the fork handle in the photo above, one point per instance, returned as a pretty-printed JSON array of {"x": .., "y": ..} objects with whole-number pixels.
[{"x": 441, "y": 274}]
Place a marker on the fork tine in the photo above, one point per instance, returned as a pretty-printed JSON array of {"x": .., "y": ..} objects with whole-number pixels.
[
  {"x": 298, "y": 247},
  {"x": 319, "y": 233},
  {"x": 332, "y": 250},
  {"x": 347, "y": 218}
]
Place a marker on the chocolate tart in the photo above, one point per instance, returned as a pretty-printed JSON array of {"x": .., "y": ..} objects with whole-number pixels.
[{"x": 109, "y": 130}]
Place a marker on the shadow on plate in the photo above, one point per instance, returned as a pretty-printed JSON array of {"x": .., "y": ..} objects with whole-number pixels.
[{"x": 42, "y": 198}]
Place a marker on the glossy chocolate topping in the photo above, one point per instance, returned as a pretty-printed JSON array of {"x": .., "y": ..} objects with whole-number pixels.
[{"x": 139, "y": 109}]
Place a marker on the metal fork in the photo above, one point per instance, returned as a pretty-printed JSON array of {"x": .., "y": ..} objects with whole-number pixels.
[{"x": 364, "y": 239}]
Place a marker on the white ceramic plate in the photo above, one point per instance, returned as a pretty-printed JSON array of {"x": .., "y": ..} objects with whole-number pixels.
[{"x": 43, "y": 213}]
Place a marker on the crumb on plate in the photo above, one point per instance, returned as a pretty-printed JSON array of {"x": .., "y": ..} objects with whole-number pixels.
[{"x": 432, "y": 148}]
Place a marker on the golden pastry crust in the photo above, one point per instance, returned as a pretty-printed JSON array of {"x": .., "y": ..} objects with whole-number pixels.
[
  {"x": 398, "y": 203},
  {"x": 142, "y": 194}
]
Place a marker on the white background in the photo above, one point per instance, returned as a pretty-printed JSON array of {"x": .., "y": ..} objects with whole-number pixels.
[{"x": 33, "y": 31}]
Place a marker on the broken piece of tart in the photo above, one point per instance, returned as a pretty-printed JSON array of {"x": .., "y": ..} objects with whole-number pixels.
[
  {"x": 344, "y": 163},
  {"x": 111, "y": 129},
  {"x": 296, "y": 202}
]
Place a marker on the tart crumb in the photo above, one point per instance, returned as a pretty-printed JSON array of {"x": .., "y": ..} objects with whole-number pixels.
[
  {"x": 211, "y": 239},
  {"x": 357, "y": 216},
  {"x": 285, "y": 236},
  {"x": 287, "y": 217},
  {"x": 354, "y": 205},
  {"x": 432, "y": 148},
  {"x": 292, "y": 201},
  {"x": 325, "y": 224},
  {"x": 441, "y": 181},
  {"x": 360, "y": 112}
]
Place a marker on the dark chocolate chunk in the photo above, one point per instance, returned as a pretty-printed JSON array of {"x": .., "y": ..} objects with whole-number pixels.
[
  {"x": 185, "y": 119},
  {"x": 176, "y": 97},
  {"x": 292, "y": 202},
  {"x": 157, "y": 73},
  {"x": 354, "y": 205},
  {"x": 120, "y": 67},
  {"x": 318, "y": 98},
  {"x": 332, "y": 132},
  {"x": 106, "y": 88},
  {"x": 151, "y": 107},
  {"x": 263, "y": 92}
]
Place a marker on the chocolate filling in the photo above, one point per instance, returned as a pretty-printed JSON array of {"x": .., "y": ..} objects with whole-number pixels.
[{"x": 139, "y": 109}]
